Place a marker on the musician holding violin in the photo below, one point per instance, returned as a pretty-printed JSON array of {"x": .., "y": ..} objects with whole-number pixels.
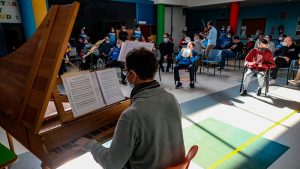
[{"x": 211, "y": 37}]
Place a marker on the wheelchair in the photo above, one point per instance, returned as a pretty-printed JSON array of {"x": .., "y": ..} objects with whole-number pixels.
[{"x": 266, "y": 80}]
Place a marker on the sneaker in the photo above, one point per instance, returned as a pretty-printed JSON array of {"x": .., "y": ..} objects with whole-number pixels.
[
  {"x": 243, "y": 93},
  {"x": 258, "y": 92},
  {"x": 192, "y": 85},
  {"x": 179, "y": 85}
]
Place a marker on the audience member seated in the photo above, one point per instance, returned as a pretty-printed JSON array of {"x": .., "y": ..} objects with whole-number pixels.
[
  {"x": 235, "y": 46},
  {"x": 82, "y": 35},
  {"x": 137, "y": 34},
  {"x": 271, "y": 45},
  {"x": 199, "y": 49},
  {"x": 79, "y": 47},
  {"x": 148, "y": 134},
  {"x": 284, "y": 55},
  {"x": 182, "y": 40},
  {"x": 105, "y": 48},
  {"x": 278, "y": 43},
  {"x": 166, "y": 51},
  {"x": 123, "y": 35},
  {"x": 113, "y": 60},
  {"x": 186, "y": 59},
  {"x": 225, "y": 41},
  {"x": 258, "y": 41},
  {"x": 223, "y": 32},
  {"x": 249, "y": 46},
  {"x": 258, "y": 61},
  {"x": 229, "y": 30},
  {"x": 112, "y": 37}
]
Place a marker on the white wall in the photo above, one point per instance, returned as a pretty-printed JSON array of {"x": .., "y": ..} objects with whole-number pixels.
[
  {"x": 168, "y": 19},
  {"x": 175, "y": 21}
]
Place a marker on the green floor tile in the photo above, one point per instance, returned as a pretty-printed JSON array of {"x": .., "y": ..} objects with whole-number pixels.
[{"x": 216, "y": 139}]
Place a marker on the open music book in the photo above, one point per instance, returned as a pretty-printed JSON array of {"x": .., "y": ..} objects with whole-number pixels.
[{"x": 89, "y": 91}]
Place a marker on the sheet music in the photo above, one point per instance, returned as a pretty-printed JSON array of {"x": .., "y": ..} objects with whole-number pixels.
[
  {"x": 129, "y": 45},
  {"x": 81, "y": 93},
  {"x": 110, "y": 86},
  {"x": 97, "y": 89}
]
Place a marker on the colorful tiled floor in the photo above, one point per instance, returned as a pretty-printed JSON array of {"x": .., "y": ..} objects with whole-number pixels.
[{"x": 216, "y": 139}]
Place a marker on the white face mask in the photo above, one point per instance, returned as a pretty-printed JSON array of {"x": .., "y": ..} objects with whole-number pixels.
[
  {"x": 165, "y": 40},
  {"x": 196, "y": 39},
  {"x": 280, "y": 38},
  {"x": 250, "y": 39},
  {"x": 118, "y": 45},
  {"x": 284, "y": 44},
  {"x": 228, "y": 36}
]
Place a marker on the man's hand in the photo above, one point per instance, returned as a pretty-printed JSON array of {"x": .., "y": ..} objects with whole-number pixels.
[
  {"x": 250, "y": 63},
  {"x": 81, "y": 143}
]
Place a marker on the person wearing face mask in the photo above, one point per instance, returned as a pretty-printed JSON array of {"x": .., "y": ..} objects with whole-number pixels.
[
  {"x": 82, "y": 35},
  {"x": 149, "y": 129},
  {"x": 259, "y": 38},
  {"x": 258, "y": 61},
  {"x": 249, "y": 46},
  {"x": 113, "y": 60},
  {"x": 278, "y": 43},
  {"x": 123, "y": 35},
  {"x": 284, "y": 55},
  {"x": 229, "y": 30},
  {"x": 137, "y": 34},
  {"x": 271, "y": 45},
  {"x": 223, "y": 32},
  {"x": 105, "y": 48},
  {"x": 233, "y": 48},
  {"x": 166, "y": 49},
  {"x": 226, "y": 41},
  {"x": 112, "y": 37},
  {"x": 186, "y": 59}
]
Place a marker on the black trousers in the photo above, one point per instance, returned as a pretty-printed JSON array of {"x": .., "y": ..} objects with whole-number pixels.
[
  {"x": 169, "y": 61},
  {"x": 114, "y": 63},
  {"x": 280, "y": 63},
  {"x": 191, "y": 69}
]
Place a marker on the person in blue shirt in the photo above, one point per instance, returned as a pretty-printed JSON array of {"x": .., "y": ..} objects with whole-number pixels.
[
  {"x": 137, "y": 34},
  {"x": 186, "y": 59},
  {"x": 112, "y": 37},
  {"x": 113, "y": 60},
  {"x": 82, "y": 35}
]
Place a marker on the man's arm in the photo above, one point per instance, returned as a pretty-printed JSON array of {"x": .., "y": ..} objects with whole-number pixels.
[{"x": 121, "y": 148}]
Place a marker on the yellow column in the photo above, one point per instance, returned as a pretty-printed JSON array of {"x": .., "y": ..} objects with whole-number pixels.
[{"x": 39, "y": 10}]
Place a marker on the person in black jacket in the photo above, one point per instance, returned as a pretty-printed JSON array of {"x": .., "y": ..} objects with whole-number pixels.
[
  {"x": 284, "y": 55},
  {"x": 123, "y": 35},
  {"x": 233, "y": 48},
  {"x": 166, "y": 51}
]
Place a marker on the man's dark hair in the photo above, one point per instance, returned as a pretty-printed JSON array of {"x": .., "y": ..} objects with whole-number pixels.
[
  {"x": 193, "y": 44},
  {"x": 143, "y": 62},
  {"x": 210, "y": 23},
  {"x": 283, "y": 35},
  {"x": 236, "y": 37}
]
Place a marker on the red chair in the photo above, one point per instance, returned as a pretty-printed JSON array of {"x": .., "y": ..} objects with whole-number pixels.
[{"x": 191, "y": 154}]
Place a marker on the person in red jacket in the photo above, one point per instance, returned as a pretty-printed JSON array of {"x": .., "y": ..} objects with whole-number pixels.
[{"x": 258, "y": 61}]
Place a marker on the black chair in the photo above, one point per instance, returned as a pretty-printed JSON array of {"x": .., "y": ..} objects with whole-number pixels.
[
  {"x": 214, "y": 59},
  {"x": 266, "y": 78},
  {"x": 236, "y": 59}
]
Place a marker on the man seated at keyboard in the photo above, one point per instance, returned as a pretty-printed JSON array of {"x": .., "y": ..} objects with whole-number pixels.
[
  {"x": 186, "y": 59},
  {"x": 143, "y": 137}
]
